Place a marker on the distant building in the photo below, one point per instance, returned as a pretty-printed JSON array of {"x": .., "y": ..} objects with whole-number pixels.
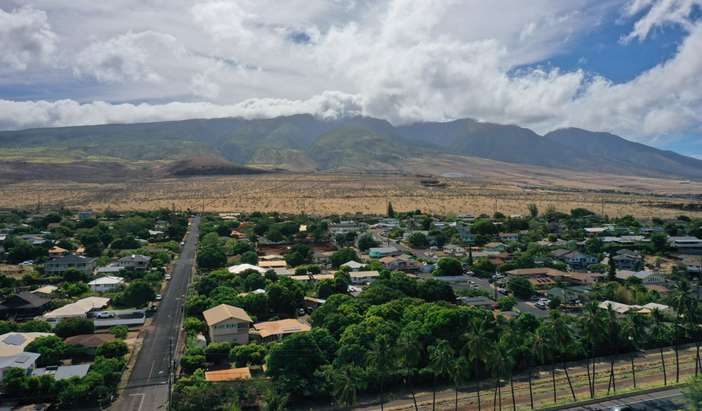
[
  {"x": 78, "y": 309},
  {"x": 63, "y": 372},
  {"x": 276, "y": 330},
  {"x": 479, "y": 301},
  {"x": 227, "y": 323},
  {"x": 104, "y": 284},
  {"x": 363, "y": 277},
  {"x": 23, "y": 305},
  {"x": 135, "y": 262},
  {"x": 26, "y": 361},
  {"x": 60, "y": 265},
  {"x": 686, "y": 244},
  {"x": 353, "y": 265},
  {"x": 380, "y": 252}
]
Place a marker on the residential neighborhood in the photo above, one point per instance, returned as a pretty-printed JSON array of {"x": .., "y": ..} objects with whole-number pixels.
[{"x": 267, "y": 287}]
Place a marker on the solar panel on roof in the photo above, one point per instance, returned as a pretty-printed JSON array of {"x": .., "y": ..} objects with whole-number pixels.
[{"x": 14, "y": 339}]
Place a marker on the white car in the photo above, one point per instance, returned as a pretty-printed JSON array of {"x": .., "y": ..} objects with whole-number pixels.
[
  {"x": 105, "y": 314},
  {"x": 158, "y": 297},
  {"x": 168, "y": 277}
]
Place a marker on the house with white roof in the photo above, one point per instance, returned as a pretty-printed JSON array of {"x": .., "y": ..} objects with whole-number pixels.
[
  {"x": 240, "y": 268},
  {"x": 78, "y": 309},
  {"x": 107, "y": 283},
  {"x": 26, "y": 361},
  {"x": 353, "y": 265}
]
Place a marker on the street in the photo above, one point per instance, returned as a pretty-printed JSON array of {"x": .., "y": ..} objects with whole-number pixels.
[
  {"x": 147, "y": 388},
  {"x": 661, "y": 400}
]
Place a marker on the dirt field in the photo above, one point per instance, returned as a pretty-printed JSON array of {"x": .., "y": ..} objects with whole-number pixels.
[{"x": 349, "y": 193}]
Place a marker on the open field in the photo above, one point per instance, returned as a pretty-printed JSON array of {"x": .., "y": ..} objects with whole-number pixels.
[{"x": 326, "y": 193}]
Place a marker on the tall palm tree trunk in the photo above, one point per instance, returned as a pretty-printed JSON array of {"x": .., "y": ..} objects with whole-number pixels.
[
  {"x": 553, "y": 379},
  {"x": 455, "y": 389},
  {"x": 494, "y": 396},
  {"x": 677, "y": 364},
  {"x": 531, "y": 392},
  {"x": 499, "y": 392},
  {"x": 477, "y": 382},
  {"x": 433, "y": 394},
  {"x": 589, "y": 379},
  {"x": 382, "y": 394},
  {"x": 633, "y": 369},
  {"x": 665, "y": 376},
  {"x": 511, "y": 386},
  {"x": 594, "y": 377},
  {"x": 570, "y": 384},
  {"x": 414, "y": 398},
  {"x": 697, "y": 358}
]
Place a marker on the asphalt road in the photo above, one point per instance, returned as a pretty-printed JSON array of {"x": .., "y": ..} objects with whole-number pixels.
[
  {"x": 661, "y": 400},
  {"x": 147, "y": 388}
]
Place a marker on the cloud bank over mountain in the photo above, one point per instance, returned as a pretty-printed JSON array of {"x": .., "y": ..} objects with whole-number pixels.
[{"x": 401, "y": 60}]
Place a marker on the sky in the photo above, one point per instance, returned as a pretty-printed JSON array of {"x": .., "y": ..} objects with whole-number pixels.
[{"x": 630, "y": 67}]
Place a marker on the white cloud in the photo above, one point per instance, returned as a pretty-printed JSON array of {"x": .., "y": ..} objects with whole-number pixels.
[
  {"x": 27, "y": 114},
  {"x": 659, "y": 13},
  {"x": 127, "y": 57},
  {"x": 25, "y": 38}
]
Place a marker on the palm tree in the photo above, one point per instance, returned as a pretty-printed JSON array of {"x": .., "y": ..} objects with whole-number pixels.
[
  {"x": 633, "y": 328},
  {"x": 459, "y": 372},
  {"x": 409, "y": 353},
  {"x": 346, "y": 382},
  {"x": 441, "y": 358},
  {"x": 381, "y": 360},
  {"x": 563, "y": 338},
  {"x": 613, "y": 339},
  {"x": 682, "y": 304},
  {"x": 592, "y": 330},
  {"x": 542, "y": 346},
  {"x": 659, "y": 333},
  {"x": 477, "y": 347}
]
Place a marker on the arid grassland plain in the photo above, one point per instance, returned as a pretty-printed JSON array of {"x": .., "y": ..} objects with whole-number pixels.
[{"x": 338, "y": 193}]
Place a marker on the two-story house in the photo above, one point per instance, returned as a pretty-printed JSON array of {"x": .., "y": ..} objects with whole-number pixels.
[
  {"x": 135, "y": 262},
  {"x": 58, "y": 266},
  {"x": 227, "y": 323}
]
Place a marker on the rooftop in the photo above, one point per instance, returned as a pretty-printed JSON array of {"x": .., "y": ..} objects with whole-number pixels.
[
  {"x": 224, "y": 312},
  {"x": 232, "y": 374},
  {"x": 281, "y": 327}
]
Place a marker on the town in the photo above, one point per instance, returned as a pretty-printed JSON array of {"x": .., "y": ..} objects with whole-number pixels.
[{"x": 135, "y": 310}]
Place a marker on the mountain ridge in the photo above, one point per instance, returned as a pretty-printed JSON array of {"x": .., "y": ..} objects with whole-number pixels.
[{"x": 304, "y": 142}]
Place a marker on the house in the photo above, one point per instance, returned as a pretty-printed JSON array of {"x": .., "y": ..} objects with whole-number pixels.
[
  {"x": 574, "y": 258},
  {"x": 686, "y": 244},
  {"x": 78, "y": 309},
  {"x": 276, "y": 330},
  {"x": 363, "y": 277},
  {"x": 46, "y": 290},
  {"x": 227, "y": 323},
  {"x": 693, "y": 264},
  {"x": 109, "y": 269},
  {"x": 58, "y": 266},
  {"x": 465, "y": 234},
  {"x": 63, "y": 372},
  {"x": 89, "y": 340},
  {"x": 135, "y": 262},
  {"x": 23, "y": 306},
  {"x": 313, "y": 277},
  {"x": 26, "y": 361},
  {"x": 618, "y": 308},
  {"x": 627, "y": 260},
  {"x": 494, "y": 247},
  {"x": 479, "y": 301},
  {"x": 508, "y": 237},
  {"x": 380, "y": 252},
  {"x": 231, "y": 374},
  {"x": 595, "y": 231},
  {"x": 13, "y": 343},
  {"x": 240, "y": 268},
  {"x": 56, "y": 252},
  {"x": 312, "y": 303},
  {"x": 646, "y": 277},
  {"x": 107, "y": 283},
  {"x": 273, "y": 264},
  {"x": 454, "y": 250},
  {"x": 353, "y": 265},
  {"x": 345, "y": 227},
  {"x": 402, "y": 262}
]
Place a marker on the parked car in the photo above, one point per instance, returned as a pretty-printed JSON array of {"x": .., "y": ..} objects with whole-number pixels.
[
  {"x": 158, "y": 297},
  {"x": 105, "y": 314},
  {"x": 168, "y": 277}
]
